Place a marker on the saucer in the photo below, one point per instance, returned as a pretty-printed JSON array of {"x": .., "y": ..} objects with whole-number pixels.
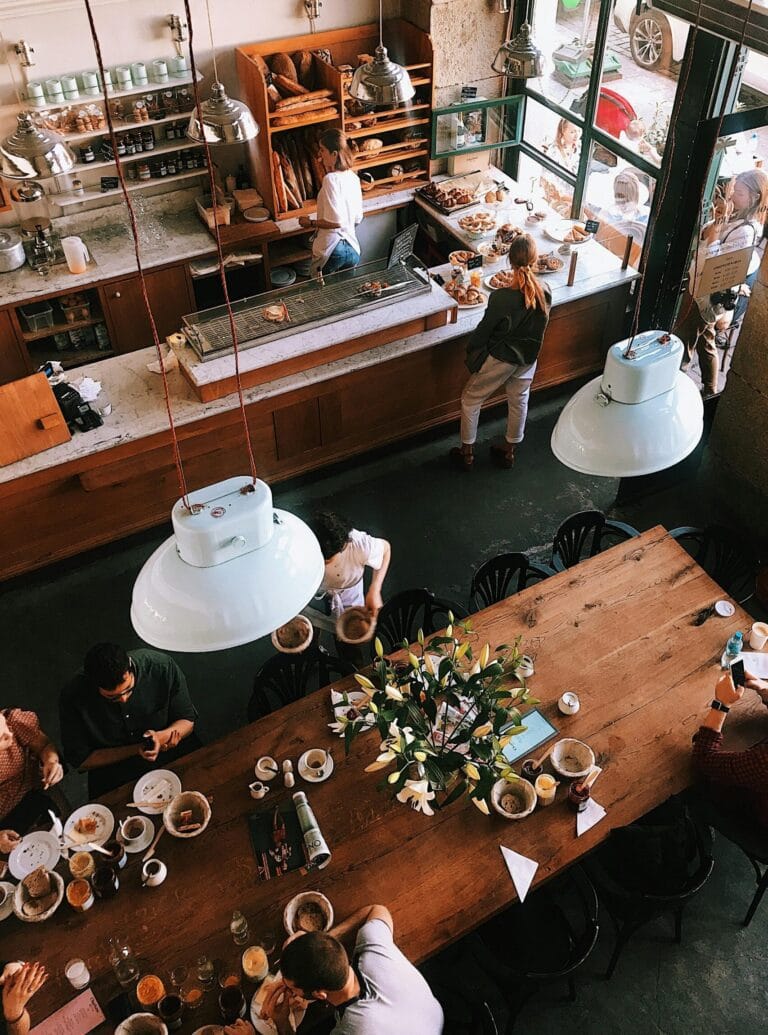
[
  {"x": 143, "y": 842},
  {"x": 7, "y": 907},
  {"x": 308, "y": 774}
]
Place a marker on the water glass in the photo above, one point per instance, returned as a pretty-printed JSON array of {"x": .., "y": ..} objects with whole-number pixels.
[{"x": 77, "y": 973}]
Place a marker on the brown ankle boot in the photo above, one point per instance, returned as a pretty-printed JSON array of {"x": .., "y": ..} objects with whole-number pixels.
[
  {"x": 462, "y": 457},
  {"x": 503, "y": 456}
]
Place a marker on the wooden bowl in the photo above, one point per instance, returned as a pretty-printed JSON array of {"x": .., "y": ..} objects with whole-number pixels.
[
  {"x": 572, "y": 758},
  {"x": 521, "y": 790},
  {"x": 141, "y": 1024},
  {"x": 302, "y": 899},
  {"x": 20, "y": 896},
  {"x": 351, "y": 614},
  {"x": 193, "y": 801},
  {"x": 300, "y": 626}
]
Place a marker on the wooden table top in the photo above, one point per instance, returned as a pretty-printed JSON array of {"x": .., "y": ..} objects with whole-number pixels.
[{"x": 617, "y": 629}]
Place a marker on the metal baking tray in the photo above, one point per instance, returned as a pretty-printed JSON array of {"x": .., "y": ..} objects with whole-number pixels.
[
  {"x": 469, "y": 180},
  {"x": 309, "y": 304}
]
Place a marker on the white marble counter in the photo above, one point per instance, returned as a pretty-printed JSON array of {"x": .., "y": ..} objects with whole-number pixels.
[
  {"x": 170, "y": 230},
  {"x": 317, "y": 339},
  {"x": 597, "y": 269}
]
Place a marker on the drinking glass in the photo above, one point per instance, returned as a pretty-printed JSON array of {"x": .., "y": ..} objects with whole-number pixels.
[
  {"x": 77, "y": 974},
  {"x": 231, "y": 1004},
  {"x": 230, "y": 974},
  {"x": 206, "y": 972}
]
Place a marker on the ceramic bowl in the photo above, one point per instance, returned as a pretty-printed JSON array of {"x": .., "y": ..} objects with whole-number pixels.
[
  {"x": 141, "y": 1024},
  {"x": 521, "y": 790},
  {"x": 192, "y": 801},
  {"x": 302, "y": 899},
  {"x": 299, "y": 629},
  {"x": 343, "y": 632},
  {"x": 572, "y": 758}
]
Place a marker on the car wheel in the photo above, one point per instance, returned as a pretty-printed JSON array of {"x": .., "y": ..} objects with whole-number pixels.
[{"x": 650, "y": 40}]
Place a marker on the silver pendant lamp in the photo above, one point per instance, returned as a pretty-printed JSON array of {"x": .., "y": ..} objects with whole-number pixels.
[
  {"x": 519, "y": 58},
  {"x": 381, "y": 83},
  {"x": 225, "y": 120},
  {"x": 30, "y": 152}
]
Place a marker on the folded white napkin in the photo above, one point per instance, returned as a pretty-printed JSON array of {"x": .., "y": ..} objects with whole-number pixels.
[
  {"x": 591, "y": 815},
  {"x": 521, "y": 870}
]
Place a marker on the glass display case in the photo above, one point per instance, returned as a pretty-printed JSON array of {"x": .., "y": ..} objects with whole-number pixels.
[{"x": 476, "y": 125}]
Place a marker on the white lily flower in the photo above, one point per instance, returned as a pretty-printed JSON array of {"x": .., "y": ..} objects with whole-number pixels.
[
  {"x": 338, "y": 727},
  {"x": 482, "y": 805},
  {"x": 472, "y": 771},
  {"x": 475, "y": 670},
  {"x": 381, "y": 762},
  {"x": 407, "y": 734},
  {"x": 417, "y": 794},
  {"x": 429, "y": 664},
  {"x": 485, "y": 654},
  {"x": 393, "y": 692},
  {"x": 364, "y": 681}
]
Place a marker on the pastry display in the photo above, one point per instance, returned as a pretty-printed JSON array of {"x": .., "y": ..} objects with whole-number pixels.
[
  {"x": 576, "y": 235},
  {"x": 448, "y": 197},
  {"x": 548, "y": 264},
  {"x": 464, "y": 294},
  {"x": 461, "y": 257},
  {"x": 507, "y": 232},
  {"x": 478, "y": 222}
]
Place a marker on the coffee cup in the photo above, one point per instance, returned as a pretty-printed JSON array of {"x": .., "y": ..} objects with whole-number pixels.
[
  {"x": 258, "y": 790},
  {"x": 153, "y": 872},
  {"x": 133, "y": 829},
  {"x": 569, "y": 703},
  {"x": 266, "y": 768},
  {"x": 3, "y": 895},
  {"x": 758, "y": 635},
  {"x": 315, "y": 762}
]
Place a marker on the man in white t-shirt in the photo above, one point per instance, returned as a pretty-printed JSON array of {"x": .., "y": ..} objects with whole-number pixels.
[
  {"x": 377, "y": 992},
  {"x": 347, "y": 553}
]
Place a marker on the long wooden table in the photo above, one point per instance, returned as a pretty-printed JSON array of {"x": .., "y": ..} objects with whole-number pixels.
[{"x": 618, "y": 629}]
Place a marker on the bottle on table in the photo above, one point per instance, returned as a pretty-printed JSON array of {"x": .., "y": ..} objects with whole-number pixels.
[
  {"x": 733, "y": 648},
  {"x": 206, "y": 972},
  {"x": 123, "y": 962},
  {"x": 318, "y": 852},
  {"x": 238, "y": 928}
]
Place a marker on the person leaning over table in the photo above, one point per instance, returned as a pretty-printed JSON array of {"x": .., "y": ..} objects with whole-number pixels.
[
  {"x": 29, "y": 765},
  {"x": 117, "y": 699},
  {"x": 737, "y": 780},
  {"x": 20, "y": 981},
  {"x": 503, "y": 350},
  {"x": 377, "y": 992},
  {"x": 339, "y": 208},
  {"x": 347, "y": 552}
]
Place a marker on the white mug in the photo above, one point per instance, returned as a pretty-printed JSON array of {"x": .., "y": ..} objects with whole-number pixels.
[
  {"x": 154, "y": 872},
  {"x": 133, "y": 821},
  {"x": 758, "y": 635},
  {"x": 76, "y": 254},
  {"x": 569, "y": 703},
  {"x": 258, "y": 790},
  {"x": 266, "y": 768}
]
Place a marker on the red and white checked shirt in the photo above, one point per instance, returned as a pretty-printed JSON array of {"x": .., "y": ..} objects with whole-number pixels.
[{"x": 19, "y": 765}]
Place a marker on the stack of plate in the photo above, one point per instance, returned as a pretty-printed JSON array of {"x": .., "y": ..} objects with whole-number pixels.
[{"x": 283, "y": 276}]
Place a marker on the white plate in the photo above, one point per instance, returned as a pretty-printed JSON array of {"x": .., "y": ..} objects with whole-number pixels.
[
  {"x": 159, "y": 785},
  {"x": 488, "y": 284},
  {"x": 309, "y": 775},
  {"x": 262, "y": 1026},
  {"x": 473, "y": 305},
  {"x": 40, "y": 848},
  {"x": 7, "y": 907},
  {"x": 557, "y": 231},
  {"x": 105, "y": 824}
]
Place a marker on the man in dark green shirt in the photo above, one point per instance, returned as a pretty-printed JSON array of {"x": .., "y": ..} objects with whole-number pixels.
[{"x": 121, "y": 712}]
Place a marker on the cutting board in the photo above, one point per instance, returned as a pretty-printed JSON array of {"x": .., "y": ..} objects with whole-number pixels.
[{"x": 30, "y": 419}]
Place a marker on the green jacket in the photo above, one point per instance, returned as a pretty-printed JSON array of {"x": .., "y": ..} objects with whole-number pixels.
[{"x": 508, "y": 331}]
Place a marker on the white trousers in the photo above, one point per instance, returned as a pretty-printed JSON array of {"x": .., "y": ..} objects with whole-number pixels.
[{"x": 492, "y": 375}]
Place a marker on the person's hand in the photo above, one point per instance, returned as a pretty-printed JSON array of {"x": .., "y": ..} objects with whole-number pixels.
[
  {"x": 150, "y": 754},
  {"x": 760, "y": 686},
  {"x": 53, "y": 771},
  {"x": 240, "y": 1027},
  {"x": 8, "y": 841},
  {"x": 19, "y": 989},
  {"x": 722, "y": 210},
  {"x": 725, "y": 692},
  {"x": 276, "y": 1006},
  {"x": 170, "y": 738},
  {"x": 306, "y": 222},
  {"x": 373, "y": 601}
]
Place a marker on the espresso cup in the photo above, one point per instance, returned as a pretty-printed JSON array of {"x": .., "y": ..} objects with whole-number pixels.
[
  {"x": 133, "y": 829},
  {"x": 758, "y": 635},
  {"x": 266, "y": 768},
  {"x": 258, "y": 790},
  {"x": 315, "y": 761},
  {"x": 154, "y": 872},
  {"x": 569, "y": 703}
]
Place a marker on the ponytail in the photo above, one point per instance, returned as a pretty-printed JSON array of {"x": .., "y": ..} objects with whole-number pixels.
[{"x": 522, "y": 256}]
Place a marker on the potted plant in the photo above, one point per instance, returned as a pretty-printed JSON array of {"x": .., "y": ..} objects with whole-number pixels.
[{"x": 444, "y": 718}]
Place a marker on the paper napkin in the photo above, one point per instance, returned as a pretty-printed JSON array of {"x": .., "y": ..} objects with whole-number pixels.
[
  {"x": 591, "y": 815},
  {"x": 521, "y": 870},
  {"x": 756, "y": 662}
]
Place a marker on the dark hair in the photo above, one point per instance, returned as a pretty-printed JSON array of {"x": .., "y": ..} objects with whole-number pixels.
[
  {"x": 332, "y": 532},
  {"x": 334, "y": 140},
  {"x": 105, "y": 665},
  {"x": 315, "y": 962}
]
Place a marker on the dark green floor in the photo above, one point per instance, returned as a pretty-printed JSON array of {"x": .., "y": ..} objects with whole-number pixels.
[{"x": 441, "y": 524}]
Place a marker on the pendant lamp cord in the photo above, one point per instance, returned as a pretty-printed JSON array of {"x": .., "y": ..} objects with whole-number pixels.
[
  {"x": 667, "y": 176},
  {"x": 217, "y": 235},
  {"x": 210, "y": 37},
  {"x": 381, "y": 23},
  {"x": 142, "y": 280}
]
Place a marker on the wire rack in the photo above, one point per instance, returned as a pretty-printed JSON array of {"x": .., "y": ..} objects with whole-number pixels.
[{"x": 308, "y": 305}]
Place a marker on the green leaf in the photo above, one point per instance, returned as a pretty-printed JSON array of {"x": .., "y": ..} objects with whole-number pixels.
[
  {"x": 455, "y": 794},
  {"x": 349, "y": 735},
  {"x": 513, "y": 732}
]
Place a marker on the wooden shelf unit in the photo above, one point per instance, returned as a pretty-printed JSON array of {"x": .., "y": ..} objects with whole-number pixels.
[{"x": 407, "y": 45}]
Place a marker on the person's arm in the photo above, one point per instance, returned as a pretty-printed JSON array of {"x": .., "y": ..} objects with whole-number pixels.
[
  {"x": 353, "y": 923},
  {"x": 181, "y": 712},
  {"x": 373, "y": 598},
  {"x": 744, "y": 769},
  {"x": 109, "y": 756},
  {"x": 43, "y": 747},
  {"x": 17, "y": 991}
]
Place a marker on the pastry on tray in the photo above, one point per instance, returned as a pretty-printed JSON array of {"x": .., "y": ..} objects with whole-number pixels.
[
  {"x": 548, "y": 264},
  {"x": 275, "y": 313},
  {"x": 503, "y": 279},
  {"x": 478, "y": 222},
  {"x": 464, "y": 294},
  {"x": 576, "y": 235},
  {"x": 461, "y": 257}
]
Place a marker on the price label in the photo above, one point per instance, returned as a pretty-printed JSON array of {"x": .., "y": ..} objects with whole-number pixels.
[
  {"x": 591, "y": 226},
  {"x": 475, "y": 262}
]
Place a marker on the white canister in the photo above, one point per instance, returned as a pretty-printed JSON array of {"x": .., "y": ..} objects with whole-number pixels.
[
  {"x": 139, "y": 73},
  {"x": 54, "y": 91},
  {"x": 70, "y": 88},
  {"x": 76, "y": 254},
  {"x": 160, "y": 70},
  {"x": 123, "y": 77},
  {"x": 90, "y": 81},
  {"x": 35, "y": 93},
  {"x": 179, "y": 67},
  {"x": 107, "y": 80}
]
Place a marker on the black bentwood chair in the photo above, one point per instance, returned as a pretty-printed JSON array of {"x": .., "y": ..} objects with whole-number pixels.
[
  {"x": 405, "y": 613},
  {"x": 285, "y": 678},
  {"x": 651, "y": 868},
  {"x": 586, "y": 534},
  {"x": 542, "y": 940},
  {"x": 723, "y": 556},
  {"x": 503, "y": 576}
]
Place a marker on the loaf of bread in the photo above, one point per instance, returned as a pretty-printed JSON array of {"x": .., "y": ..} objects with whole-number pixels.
[
  {"x": 308, "y": 116},
  {"x": 273, "y": 97},
  {"x": 305, "y": 68},
  {"x": 38, "y": 883},
  {"x": 372, "y": 144},
  {"x": 261, "y": 64},
  {"x": 281, "y": 64},
  {"x": 313, "y": 95},
  {"x": 287, "y": 87}
]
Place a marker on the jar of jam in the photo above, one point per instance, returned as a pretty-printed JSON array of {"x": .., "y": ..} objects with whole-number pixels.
[
  {"x": 529, "y": 770},
  {"x": 578, "y": 795},
  {"x": 171, "y": 165},
  {"x": 147, "y": 139},
  {"x": 86, "y": 154},
  {"x": 144, "y": 173}
]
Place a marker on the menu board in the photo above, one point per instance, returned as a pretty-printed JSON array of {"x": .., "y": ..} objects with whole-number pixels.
[{"x": 402, "y": 245}]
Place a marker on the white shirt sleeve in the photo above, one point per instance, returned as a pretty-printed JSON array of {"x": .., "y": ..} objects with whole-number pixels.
[{"x": 368, "y": 549}]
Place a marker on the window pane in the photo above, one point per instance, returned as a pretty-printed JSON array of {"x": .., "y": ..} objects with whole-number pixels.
[
  {"x": 565, "y": 36},
  {"x": 619, "y": 196},
  {"x": 640, "y": 75},
  {"x": 558, "y": 138},
  {"x": 753, "y": 91},
  {"x": 544, "y": 185}
]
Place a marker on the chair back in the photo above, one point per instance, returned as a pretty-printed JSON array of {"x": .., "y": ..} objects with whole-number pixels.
[
  {"x": 285, "y": 678},
  {"x": 501, "y": 577},
  {"x": 405, "y": 613},
  {"x": 577, "y": 537},
  {"x": 723, "y": 556}
]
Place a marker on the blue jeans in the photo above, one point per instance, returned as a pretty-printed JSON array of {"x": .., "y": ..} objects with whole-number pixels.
[{"x": 343, "y": 257}]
